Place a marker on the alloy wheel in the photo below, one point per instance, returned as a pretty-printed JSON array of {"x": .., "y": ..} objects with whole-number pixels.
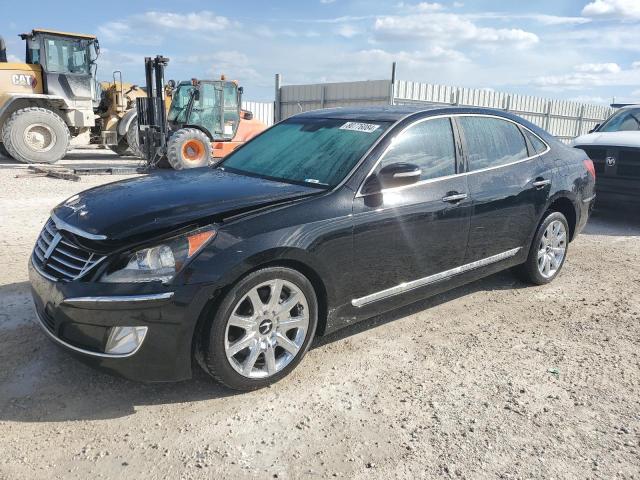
[
  {"x": 552, "y": 249},
  {"x": 266, "y": 329}
]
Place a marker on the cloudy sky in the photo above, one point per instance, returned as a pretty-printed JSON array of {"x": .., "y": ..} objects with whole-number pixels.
[{"x": 571, "y": 49}]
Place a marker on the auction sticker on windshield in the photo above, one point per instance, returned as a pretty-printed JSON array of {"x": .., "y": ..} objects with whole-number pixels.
[{"x": 360, "y": 127}]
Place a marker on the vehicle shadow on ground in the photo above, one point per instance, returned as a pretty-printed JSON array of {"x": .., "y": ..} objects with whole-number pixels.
[
  {"x": 613, "y": 222},
  {"x": 41, "y": 383}
]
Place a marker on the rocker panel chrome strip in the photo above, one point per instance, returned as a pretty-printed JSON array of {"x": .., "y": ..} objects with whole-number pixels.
[{"x": 437, "y": 277}]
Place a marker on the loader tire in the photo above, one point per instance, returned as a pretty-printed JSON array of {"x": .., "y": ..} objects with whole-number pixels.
[
  {"x": 3, "y": 151},
  {"x": 189, "y": 148},
  {"x": 132, "y": 139},
  {"x": 36, "y": 135},
  {"x": 121, "y": 149}
]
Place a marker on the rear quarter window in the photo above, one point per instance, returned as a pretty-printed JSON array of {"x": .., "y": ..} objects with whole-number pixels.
[{"x": 492, "y": 142}]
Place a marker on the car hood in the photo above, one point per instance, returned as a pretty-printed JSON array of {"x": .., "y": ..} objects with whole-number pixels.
[
  {"x": 167, "y": 200},
  {"x": 612, "y": 139}
]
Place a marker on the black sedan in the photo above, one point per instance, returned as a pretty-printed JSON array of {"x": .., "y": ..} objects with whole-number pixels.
[{"x": 325, "y": 219}]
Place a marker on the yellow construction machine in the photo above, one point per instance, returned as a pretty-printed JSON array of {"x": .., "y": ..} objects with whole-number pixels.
[
  {"x": 54, "y": 97},
  {"x": 49, "y": 98}
]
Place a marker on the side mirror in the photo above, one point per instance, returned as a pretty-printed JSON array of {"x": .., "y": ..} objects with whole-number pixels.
[
  {"x": 246, "y": 115},
  {"x": 394, "y": 175},
  {"x": 595, "y": 128}
]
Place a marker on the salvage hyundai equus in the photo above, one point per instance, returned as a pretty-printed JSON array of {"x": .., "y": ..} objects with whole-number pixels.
[{"x": 327, "y": 218}]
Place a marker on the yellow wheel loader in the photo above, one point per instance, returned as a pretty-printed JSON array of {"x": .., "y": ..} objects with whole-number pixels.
[
  {"x": 116, "y": 126},
  {"x": 50, "y": 98}
]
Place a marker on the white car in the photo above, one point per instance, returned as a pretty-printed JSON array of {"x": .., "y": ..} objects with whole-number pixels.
[{"x": 614, "y": 147}]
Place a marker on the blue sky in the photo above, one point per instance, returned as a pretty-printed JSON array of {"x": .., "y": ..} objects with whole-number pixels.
[{"x": 575, "y": 49}]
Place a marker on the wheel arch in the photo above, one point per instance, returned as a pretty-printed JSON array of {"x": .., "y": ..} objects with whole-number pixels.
[
  {"x": 199, "y": 127},
  {"x": 15, "y": 103},
  {"x": 291, "y": 261},
  {"x": 125, "y": 122},
  {"x": 563, "y": 203}
]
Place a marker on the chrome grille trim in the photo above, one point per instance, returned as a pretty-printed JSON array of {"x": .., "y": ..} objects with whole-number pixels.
[{"x": 58, "y": 258}]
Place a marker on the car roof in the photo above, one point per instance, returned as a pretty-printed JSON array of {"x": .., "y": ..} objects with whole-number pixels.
[{"x": 393, "y": 113}]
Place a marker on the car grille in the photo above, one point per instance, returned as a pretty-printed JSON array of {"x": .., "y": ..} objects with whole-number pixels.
[
  {"x": 59, "y": 257},
  {"x": 629, "y": 163}
]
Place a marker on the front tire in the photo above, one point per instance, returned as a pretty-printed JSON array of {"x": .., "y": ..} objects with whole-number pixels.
[
  {"x": 36, "y": 135},
  {"x": 188, "y": 148},
  {"x": 261, "y": 330},
  {"x": 132, "y": 138},
  {"x": 121, "y": 149},
  {"x": 3, "y": 151},
  {"x": 548, "y": 250}
]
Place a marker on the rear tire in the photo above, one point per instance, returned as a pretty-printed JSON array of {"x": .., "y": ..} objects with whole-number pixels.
[
  {"x": 36, "y": 135},
  {"x": 132, "y": 138},
  {"x": 189, "y": 148},
  {"x": 121, "y": 149},
  {"x": 548, "y": 250},
  {"x": 277, "y": 331},
  {"x": 3, "y": 151}
]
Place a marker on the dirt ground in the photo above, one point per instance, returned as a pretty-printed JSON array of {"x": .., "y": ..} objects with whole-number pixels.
[{"x": 492, "y": 380}]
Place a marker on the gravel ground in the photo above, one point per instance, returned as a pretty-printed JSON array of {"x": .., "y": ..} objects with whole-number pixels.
[{"x": 492, "y": 380}]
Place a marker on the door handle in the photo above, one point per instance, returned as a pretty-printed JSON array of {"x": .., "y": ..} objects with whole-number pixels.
[
  {"x": 539, "y": 183},
  {"x": 453, "y": 198}
]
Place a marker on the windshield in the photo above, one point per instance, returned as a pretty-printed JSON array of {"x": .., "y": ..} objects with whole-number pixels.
[
  {"x": 624, "y": 120},
  {"x": 66, "y": 55},
  {"x": 180, "y": 102},
  {"x": 316, "y": 151}
]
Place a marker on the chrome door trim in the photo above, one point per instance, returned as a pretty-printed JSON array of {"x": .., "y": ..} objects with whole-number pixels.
[
  {"x": 62, "y": 225},
  {"x": 437, "y": 277},
  {"x": 111, "y": 300},
  {"x": 461, "y": 174}
]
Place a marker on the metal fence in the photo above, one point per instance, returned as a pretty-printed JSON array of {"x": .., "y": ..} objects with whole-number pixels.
[
  {"x": 262, "y": 111},
  {"x": 564, "y": 119}
]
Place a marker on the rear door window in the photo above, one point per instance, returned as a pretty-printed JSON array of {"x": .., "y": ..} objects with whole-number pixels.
[
  {"x": 492, "y": 142},
  {"x": 428, "y": 145},
  {"x": 538, "y": 145}
]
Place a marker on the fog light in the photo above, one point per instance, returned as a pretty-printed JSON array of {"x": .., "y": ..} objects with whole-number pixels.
[{"x": 125, "y": 340}]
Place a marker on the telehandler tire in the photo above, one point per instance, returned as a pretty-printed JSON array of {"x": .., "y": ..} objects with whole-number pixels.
[
  {"x": 132, "y": 139},
  {"x": 3, "y": 151},
  {"x": 36, "y": 135},
  {"x": 189, "y": 148},
  {"x": 121, "y": 149}
]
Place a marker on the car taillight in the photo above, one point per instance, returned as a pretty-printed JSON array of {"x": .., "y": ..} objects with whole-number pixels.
[{"x": 588, "y": 163}]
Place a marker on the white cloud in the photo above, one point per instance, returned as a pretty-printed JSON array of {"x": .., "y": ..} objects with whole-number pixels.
[
  {"x": 348, "y": 31},
  {"x": 447, "y": 28},
  {"x": 204, "y": 20},
  {"x": 635, "y": 65},
  {"x": 11, "y": 58},
  {"x": 149, "y": 28},
  {"x": 623, "y": 9},
  {"x": 589, "y": 75},
  {"x": 598, "y": 68},
  {"x": 327, "y": 1}
]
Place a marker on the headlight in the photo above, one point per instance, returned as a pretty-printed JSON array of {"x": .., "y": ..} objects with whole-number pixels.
[{"x": 161, "y": 262}]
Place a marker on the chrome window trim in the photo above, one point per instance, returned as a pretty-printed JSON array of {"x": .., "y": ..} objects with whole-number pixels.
[
  {"x": 438, "y": 179},
  {"x": 437, "y": 277},
  {"x": 153, "y": 297},
  {"x": 62, "y": 225},
  {"x": 82, "y": 350}
]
